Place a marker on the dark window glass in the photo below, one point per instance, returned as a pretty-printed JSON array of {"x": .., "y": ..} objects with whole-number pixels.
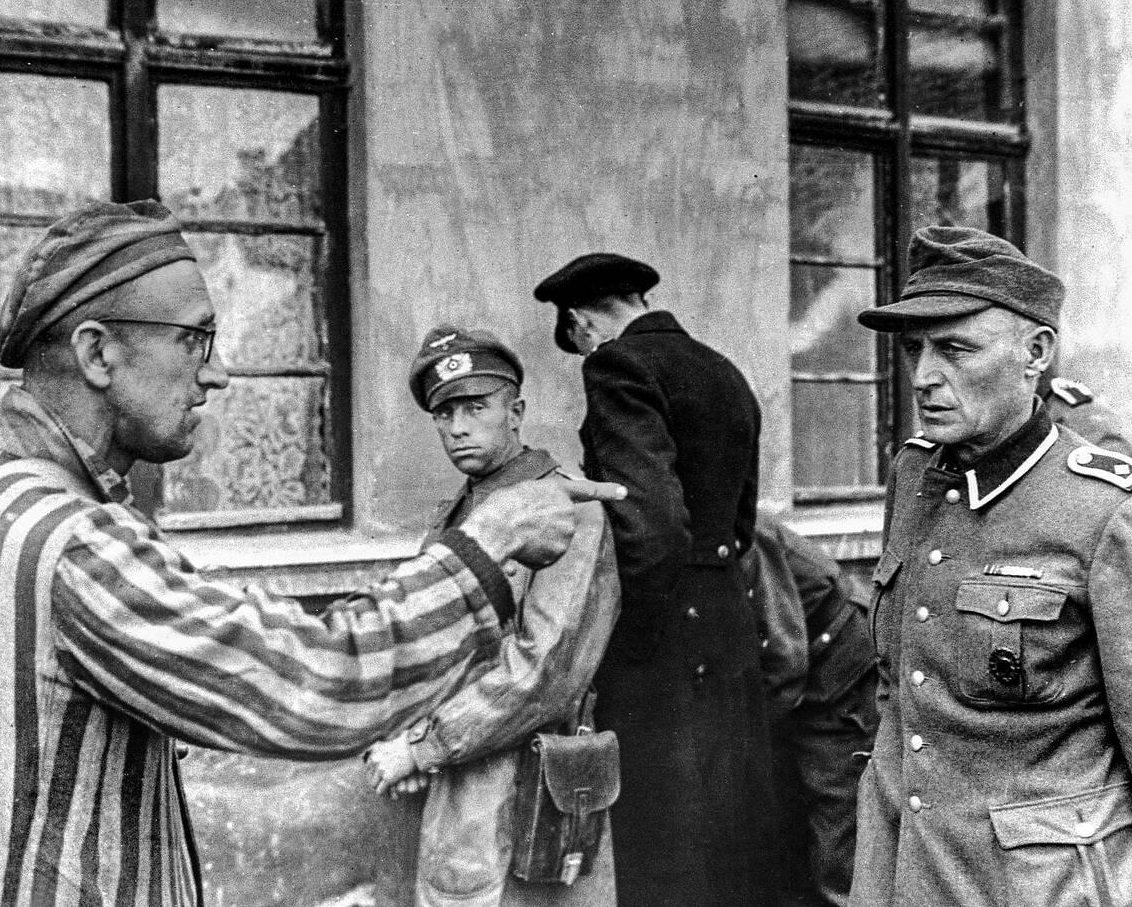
[{"x": 834, "y": 52}]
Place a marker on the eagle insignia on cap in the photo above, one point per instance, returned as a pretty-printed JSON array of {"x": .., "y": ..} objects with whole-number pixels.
[
  {"x": 453, "y": 366},
  {"x": 441, "y": 343}
]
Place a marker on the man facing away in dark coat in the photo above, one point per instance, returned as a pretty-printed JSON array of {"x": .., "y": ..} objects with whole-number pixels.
[{"x": 677, "y": 423}]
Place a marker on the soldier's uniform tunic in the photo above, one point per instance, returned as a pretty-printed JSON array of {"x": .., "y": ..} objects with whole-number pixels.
[{"x": 1000, "y": 613}]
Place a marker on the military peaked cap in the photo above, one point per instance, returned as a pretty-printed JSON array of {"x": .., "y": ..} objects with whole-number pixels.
[
  {"x": 956, "y": 271},
  {"x": 454, "y": 362},
  {"x": 590, "y": 277}
]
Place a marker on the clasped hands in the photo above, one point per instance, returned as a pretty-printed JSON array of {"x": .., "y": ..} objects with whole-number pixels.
[{"x": 391, "y": 769}]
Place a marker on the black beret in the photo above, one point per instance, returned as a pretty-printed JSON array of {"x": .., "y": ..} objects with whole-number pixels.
[
  {"x": 956, "y": 271},
  {"x": 590, "y": 277},
  {"x": 455, "y": 362}
]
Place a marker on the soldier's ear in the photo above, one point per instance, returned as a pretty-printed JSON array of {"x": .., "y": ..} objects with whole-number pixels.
[{"x": 1041, "y": 344}]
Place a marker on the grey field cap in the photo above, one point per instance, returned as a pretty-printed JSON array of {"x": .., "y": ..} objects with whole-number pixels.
[{"x": 957, "y": 271}]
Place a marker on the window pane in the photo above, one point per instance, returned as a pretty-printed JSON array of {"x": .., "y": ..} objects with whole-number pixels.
[
  {"x": 259, "y": 445},
  {"x": 91, "y": 13},
  {"x": 272, "y": 20},
  {"x": 261, "y": 287},
  {"x": 979, "y": 8},
  {"x": 831, "y": 203},
  {"x": 266, "y": 169},
  {"x": 958, "y": 192},
  {"x": 824, "y": 334},
  {"x": 55, "y": 144},
  {"x": 833, "y": 53},
  {"x": 955, "y": 72},
  {"x": 835, "y": 432}
]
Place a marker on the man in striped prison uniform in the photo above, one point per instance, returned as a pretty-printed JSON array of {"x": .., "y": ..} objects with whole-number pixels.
[{"x": 112, "y": 646}]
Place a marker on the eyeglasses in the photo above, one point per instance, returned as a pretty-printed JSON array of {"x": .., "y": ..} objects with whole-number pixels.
[{"x": 206, "y": 335}]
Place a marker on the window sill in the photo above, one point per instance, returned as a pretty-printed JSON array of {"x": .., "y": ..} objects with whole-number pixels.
[
  {"x": 847, "y": 532},
  {"x": 321, "y": 562},
  {"x": 302, "y": 563}
]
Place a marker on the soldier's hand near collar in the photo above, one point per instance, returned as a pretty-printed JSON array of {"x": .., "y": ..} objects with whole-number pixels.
[{"x": 533, "y": 522}]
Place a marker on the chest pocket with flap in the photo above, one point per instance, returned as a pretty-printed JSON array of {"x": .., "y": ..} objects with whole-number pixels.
[{"x": 1007, "y": 648}]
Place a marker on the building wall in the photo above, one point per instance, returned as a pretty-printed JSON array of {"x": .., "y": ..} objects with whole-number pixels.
[
  {"x": 1082, "y": 183},
  {"x": 502, "y": 139}
]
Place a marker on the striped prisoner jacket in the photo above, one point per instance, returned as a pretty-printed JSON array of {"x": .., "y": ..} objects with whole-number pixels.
[{"x": 111, "y": 646}]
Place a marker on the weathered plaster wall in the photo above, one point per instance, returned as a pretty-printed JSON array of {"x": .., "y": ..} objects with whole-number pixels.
[
  {"x": 504, "y": 138},
  {"x": 1087, "y": 187}
]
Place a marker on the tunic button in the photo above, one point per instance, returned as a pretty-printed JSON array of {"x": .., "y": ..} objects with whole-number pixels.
[
  {"x": 935, "y": 556},
  {"x": 1085, "y": 829},
  {"x": 952, "y": 496},
  {"x": 917, "y": 743},
  {"x": 1003, "y": 607},
  {"x": 915, "y": 803},
  {"x": 922, "y": 613},
  {"x": 723, "y": 551},
  {"x": 918, "y": 678},
  {"x": 1084, "y": 458},
  {"x": 692, "y": 613},
  {"x": 825, "y": 639}
]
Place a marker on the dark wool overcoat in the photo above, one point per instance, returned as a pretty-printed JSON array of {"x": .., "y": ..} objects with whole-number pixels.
[{"x": 676, "y": 423}]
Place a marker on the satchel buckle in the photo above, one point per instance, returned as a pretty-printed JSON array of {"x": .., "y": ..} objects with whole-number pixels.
[{"x": 571, "y": 866}]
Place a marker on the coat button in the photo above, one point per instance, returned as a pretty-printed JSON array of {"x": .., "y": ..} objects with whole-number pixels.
[
  {"x": 952, "y": 496},
  {"x": 691, "y": 613},
  {"x": 750, "y": 593},
  {"x": 825, "y": 639},
  {"x": 916, "y": 742},
  {"x": 922, "y": 613},
  {"x": 918, "y": 678},
  {"x": 915, "y": 803},
  {"x": 1003, "y": 607},
  {"x": 701, "y": 670},
  {"x": 723, "y": 551},
  {"x": 935, "y": 556}
]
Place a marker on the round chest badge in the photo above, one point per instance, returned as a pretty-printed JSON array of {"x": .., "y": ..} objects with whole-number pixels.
[{"x": 1005, "y": 667}]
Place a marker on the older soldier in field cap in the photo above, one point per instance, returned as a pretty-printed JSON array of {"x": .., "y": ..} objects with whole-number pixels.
[
  {"x": 1000, "y": 611},
  {"x": 470, "y": 382},
  {"x": 112, "y": 646}
]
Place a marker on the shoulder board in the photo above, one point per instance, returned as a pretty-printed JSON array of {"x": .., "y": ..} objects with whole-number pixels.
[
  {"x": 1073, "y": 393},
  {"x": 1108, "y": 465},
  {"x": 920, "y": 441}
]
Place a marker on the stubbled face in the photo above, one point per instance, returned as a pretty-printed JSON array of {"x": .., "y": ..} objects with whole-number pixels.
[
  {"x": 969, "y": 378},
  {"x": 480, "y": 433},
  {"x": 162, "y": 379}
]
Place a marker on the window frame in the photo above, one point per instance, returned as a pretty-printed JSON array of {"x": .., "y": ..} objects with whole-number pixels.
[
  {"x": 894, "y": 135},
  {"x": 134, "y": 58}
]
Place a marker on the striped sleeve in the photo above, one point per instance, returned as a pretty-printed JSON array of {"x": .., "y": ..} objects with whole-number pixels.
[{"x": 241, "y": 669}]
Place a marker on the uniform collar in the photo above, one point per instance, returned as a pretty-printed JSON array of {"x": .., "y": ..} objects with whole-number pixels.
[
  {"x": 30, "y": 429},
  {"x": 1001, "y": 468},
  {"x": 652, "y": 322},
  {"x": 530, "y": 463}
]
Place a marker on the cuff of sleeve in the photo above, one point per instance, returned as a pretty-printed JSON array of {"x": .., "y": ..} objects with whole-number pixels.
[{"x": 491, "y": 578}]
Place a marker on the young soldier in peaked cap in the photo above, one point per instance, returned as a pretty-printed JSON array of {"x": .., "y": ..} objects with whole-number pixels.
[{"x": 1000, "y": 611}]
